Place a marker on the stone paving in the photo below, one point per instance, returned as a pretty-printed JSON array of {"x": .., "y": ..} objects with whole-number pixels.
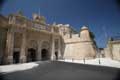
[{"x": 56, "y": 70}]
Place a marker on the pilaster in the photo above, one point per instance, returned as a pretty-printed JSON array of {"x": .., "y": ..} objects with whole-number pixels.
[
  {"x": 9, "y": 47},
  {"x": 23, "y": 48},
  {"x": 53, "y": 48}
]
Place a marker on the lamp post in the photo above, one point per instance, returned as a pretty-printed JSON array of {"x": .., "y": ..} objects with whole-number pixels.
[{"x": 99, "y": 52}]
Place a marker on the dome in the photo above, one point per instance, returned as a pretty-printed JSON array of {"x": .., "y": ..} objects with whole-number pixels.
[{"x": 84, "y": 27}]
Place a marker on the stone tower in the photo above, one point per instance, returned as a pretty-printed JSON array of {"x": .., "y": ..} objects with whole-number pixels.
[
  {"x": 80, "y": 46},
  {"x": 89, "y": 48},
  {"x": 85, "y": 34}
]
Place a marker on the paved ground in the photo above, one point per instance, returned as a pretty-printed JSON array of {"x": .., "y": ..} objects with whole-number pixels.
[{"x": 64, "y": 71}]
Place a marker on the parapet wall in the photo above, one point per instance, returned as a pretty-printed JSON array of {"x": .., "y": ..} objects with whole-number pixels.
[{"x": 80, "y": 50}]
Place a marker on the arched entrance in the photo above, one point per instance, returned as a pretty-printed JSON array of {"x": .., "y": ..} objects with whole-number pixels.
[
  {"x": 16, "y": 57},
  {"x": 56, "y": 55},
  {"x": 32, "y": 51},
  {"x": 45, "y": 51},
  {"x": 44, "y": 55},
  {"x": 31, "y": 55}
]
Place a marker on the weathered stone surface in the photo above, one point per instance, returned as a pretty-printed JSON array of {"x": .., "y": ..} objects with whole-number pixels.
[
  {"x": 32, "y": 40},
  {"x": 80, "y": 47}
]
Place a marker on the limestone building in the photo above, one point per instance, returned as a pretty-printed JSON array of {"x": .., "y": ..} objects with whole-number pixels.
[
  {"x": 112, "y": 50},
  {"x": 24, "y": 40},
  {"x": 78, "y": 45}
]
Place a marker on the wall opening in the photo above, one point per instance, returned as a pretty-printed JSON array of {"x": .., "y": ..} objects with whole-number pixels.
[
  {"x": 16, "y": 57},
  {"x": 56, "y": 55},
  {"x": 31, "y": 55},
  {"x": 44, "y": 55}
]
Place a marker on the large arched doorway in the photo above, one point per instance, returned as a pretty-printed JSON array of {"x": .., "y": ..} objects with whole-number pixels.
[
  {"x": 56, "y": 55},
  {"x": 16, "y": 57},
  {"x": 45, "y": 51},
  {"x": 44, "y": 54},
  {"x": 31, "y": 55},
  {"x": 32, "y": 51}
]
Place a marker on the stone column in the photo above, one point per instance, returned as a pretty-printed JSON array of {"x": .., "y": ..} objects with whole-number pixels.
[
  {"x": 9, "y": 47},
  {"x": 23, "y": 48},
  {"x": 53, "y": 48},
  {"x": 59, "y": 48},
  {"x": 39, "y": 51}
]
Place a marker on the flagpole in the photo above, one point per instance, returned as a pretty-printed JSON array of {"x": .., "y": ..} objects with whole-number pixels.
[
  {"x": 39, "y": 11},
  {"x": 104, "y": 29}
]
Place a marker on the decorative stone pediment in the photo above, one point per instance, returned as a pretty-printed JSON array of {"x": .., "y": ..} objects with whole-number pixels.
[
  {"x": 32, "y": 44},
  {"x": 45, "y": 45}
]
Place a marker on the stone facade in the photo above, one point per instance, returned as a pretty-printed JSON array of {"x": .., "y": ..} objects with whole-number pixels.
[
  {"x": 27, "y": 40},
  {"x": 78, "y": 45},
  {"x": 113, "y": 49}
]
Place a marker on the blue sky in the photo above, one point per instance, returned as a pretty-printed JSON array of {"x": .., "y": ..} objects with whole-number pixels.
[{"x": 100, "y": 15}]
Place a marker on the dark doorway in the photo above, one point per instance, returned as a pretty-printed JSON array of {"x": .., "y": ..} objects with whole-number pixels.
[
  {"x": 16, "y": 56},
  {"x": 56, "y": 55},
  {"x": 31, "y": 55},
  {"x": 44, "y": 54}
]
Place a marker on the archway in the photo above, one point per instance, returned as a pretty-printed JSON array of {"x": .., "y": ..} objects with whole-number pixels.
[
  {"x": 32, "y": 51},
  {"x": 45, "y": 51},
  {"x": 16, "y": 56},
  {"x": 31, "y": 55},
  {"x": 44, "y": 54},
  {"x": 56, "y": 55}
]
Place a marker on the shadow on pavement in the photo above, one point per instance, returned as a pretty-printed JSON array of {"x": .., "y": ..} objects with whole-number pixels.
[
  {"x": 2, "y": 76},
  {"x": 55, "y": 70},
  {"x": 118, "y": 76}
]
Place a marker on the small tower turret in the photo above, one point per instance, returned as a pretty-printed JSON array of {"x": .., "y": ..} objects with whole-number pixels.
[{"x": 85, "y": 34}]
